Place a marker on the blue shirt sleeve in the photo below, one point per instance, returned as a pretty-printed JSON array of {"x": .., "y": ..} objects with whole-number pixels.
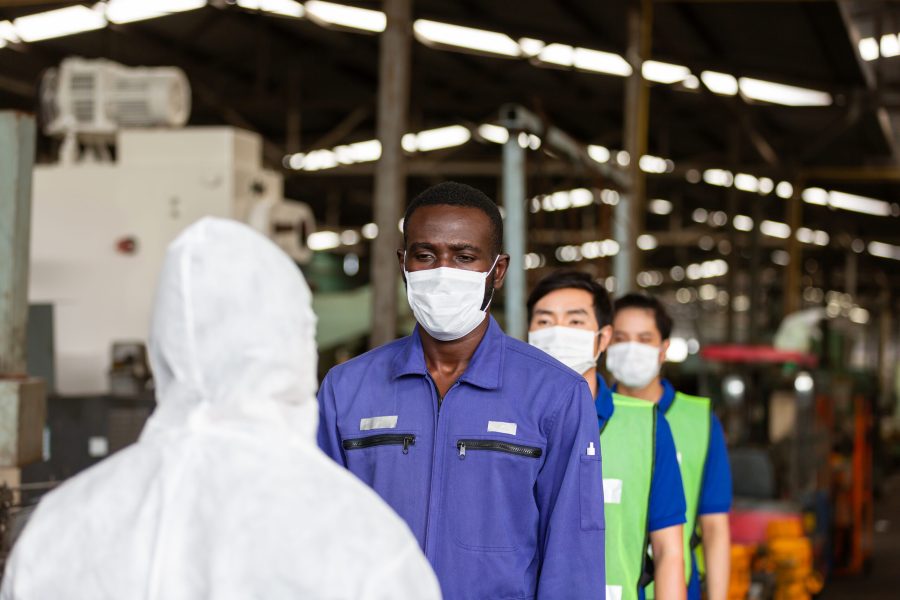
[
  {"x": 327, "y": 437},
  {"x": 715, "y": 495},
  {"x": 667, "y": 505},
  {"x": 569, "y": 493}
]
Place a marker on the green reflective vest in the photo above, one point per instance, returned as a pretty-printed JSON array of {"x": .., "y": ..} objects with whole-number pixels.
[
  {"x": 628, "y": 447},
  {"x": 689, "y": 418}
]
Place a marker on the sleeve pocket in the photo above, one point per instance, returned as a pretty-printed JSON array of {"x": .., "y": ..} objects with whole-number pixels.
[{"x": 591, "y": 484}]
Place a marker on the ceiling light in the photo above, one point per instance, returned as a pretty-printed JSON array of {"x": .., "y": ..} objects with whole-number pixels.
[
  {"x": 720, "y": 83},
  {"x": 860, "y": 204},
  {"x": 558, "y": 54},
  {"x": 129, "y": 11},
  {"x": 708, "y": 291},
  {"x": 700, "y": 215},
  {"x": 890, "y": 45},
  {"x": 599, "y": 153},
  {"x": 601, "y": 62},
  {"x": 868, "y": 49},
  {"x": 691, "y": 82},
  {"x": 8, "y": 33},
  {"x": 318, "y": 160},
  {"x": 285, "y": 8},
  {"x": 775, "y": 229},
  {"x": 440, "y": 138},
  {"x": 781, "y": 258},
  {"x": 623, "y": 158},
  {"x": 742, "y": 223},
  {"x": 884, "y": 250},
  {"x": 494, "y": 133},
  {"x": 368, "y": 151},
  {"x": 647, "y": 242},
  {"x": 719, "y": 177},
  {"x": 346, "y": 17},
  {"x": 323, "y": 240},
  {"x": 433, "y": 33},
  {"x": 815, "y": 196},
  {"x": 746, "y": 183},
  {"x": 779, "y": 93},
  {"x": 660, "y": 207},
  {"x": 859, "y": 315},
  {"x": 581, "y": 197},
  {"x": 652, "y": 164},
  {"x": 766, "y": 185},
  {"x": 57, "y": 23},
  {"x": 661, "y": 72},
  {"x": 370, "y": 231},
  {"x": 784, "y": 190},
  {"x": 531, "y": 47}
]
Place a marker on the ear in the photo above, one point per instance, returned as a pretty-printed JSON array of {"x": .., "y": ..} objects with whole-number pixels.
[
  {"x": 500, "y": 271},
  {"x": 663, "y": 350},
  {"x": 401, "y": 254},
  {"x": 604, "y": 339}
]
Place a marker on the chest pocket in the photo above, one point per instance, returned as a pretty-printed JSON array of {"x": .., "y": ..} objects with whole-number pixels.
[
  {"x": 382, "y": 459},
  {"x": 491, "y": 492}
]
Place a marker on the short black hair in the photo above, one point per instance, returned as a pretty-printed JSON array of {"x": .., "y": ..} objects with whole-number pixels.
[
  {"x": 646, "y": 302},
  {"x": 568, "y": 278},
  {"x": 451, "y": 193}
]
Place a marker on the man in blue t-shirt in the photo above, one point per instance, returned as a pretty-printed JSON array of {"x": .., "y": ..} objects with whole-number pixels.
[
  {"x": 641, "y": 330},
  {"x": 570, "y": 318}
]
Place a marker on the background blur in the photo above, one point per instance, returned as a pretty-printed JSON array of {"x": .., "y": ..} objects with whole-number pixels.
[{"x": 739, "y": 159}]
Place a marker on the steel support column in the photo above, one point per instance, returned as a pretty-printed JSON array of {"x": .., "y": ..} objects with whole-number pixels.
[
  {"x": 17, "y": 135},
  {"x": 390, "y": 176},
  {"x": 629, "y": 214},
  {"x": 515, "y": 234},
  {"x": 792, "y": 273}
]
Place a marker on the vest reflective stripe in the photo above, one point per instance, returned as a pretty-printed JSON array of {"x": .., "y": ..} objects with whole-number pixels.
[
  {"x": 627, "y": 443},
  {"x": 689, "y": 418}
]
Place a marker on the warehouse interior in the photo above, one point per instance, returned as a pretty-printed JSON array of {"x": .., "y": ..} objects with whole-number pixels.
[{"x": 738, "y": 159}]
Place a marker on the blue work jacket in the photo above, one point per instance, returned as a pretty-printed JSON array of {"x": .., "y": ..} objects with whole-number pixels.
[{"x": 500, "y": 482}]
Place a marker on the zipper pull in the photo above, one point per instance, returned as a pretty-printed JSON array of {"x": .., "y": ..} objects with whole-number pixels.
[
  {"x": 406, "y": 442},
  {"x": 462, "y": 450}
]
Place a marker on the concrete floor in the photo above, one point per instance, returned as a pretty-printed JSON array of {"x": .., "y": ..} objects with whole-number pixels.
[{"x": 884, "y": 580}]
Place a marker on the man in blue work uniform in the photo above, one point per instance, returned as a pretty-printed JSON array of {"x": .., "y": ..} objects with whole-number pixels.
[
  {"x": 486, "y": 446},
  {"x": 641, "y": 330},
  {"x": 570, "y": 317}
]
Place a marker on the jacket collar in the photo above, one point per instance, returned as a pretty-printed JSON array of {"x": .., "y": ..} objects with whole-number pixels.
[{"x": 485, "y": 367}]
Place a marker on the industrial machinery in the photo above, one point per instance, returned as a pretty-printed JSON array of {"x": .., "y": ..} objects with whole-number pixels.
[
  {"x": 802, "y": 475},
  {"x": 89, "y": 101},
  {"x": 100, "y": 225}
]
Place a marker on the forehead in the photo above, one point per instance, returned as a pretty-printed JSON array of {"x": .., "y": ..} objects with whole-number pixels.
[
  {"x": 566, "y": 299},
  {"x": 445, "y": 224},
  {"x": 635, "y": 319}
]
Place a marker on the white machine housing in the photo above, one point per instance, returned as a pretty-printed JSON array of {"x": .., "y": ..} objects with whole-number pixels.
[
  {"x": 100, "y": 230},
  {"x": 97, "y": 97}
]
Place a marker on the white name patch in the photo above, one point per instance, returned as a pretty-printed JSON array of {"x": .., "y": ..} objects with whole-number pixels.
[
  {"x": 614, "y": 592},
  {"x": 612, "y": 492},
  {"x": 501, "y": 427},
  {"x": 388, "y": 422}
]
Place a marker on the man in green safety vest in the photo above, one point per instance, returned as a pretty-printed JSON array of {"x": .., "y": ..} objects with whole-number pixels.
[
  {"x": 570, "y": 318},
  {"x": 641, "y": 330}
]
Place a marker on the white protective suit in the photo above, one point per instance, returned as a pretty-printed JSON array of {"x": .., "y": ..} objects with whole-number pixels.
[{"x": 226, "y": 495}]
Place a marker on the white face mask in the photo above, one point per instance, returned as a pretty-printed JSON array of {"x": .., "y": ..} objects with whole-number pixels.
[
  {"x": 570, "y": 346},
  {"x": 633, "y": 364},
  {"x": 446, "y": 301}
]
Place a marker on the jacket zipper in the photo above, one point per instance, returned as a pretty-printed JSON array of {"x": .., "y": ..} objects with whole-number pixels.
[
  {"x": 497, "y": 446},
  {"x": 384, "y": 439}
]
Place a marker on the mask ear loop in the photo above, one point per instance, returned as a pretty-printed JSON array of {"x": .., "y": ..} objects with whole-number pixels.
[{"x": 487, "y": 302}]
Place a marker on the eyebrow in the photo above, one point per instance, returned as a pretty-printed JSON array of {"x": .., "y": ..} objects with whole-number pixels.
[
  {"x": 577, "y": 311},
  {"x": 456, "y": 247}
]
